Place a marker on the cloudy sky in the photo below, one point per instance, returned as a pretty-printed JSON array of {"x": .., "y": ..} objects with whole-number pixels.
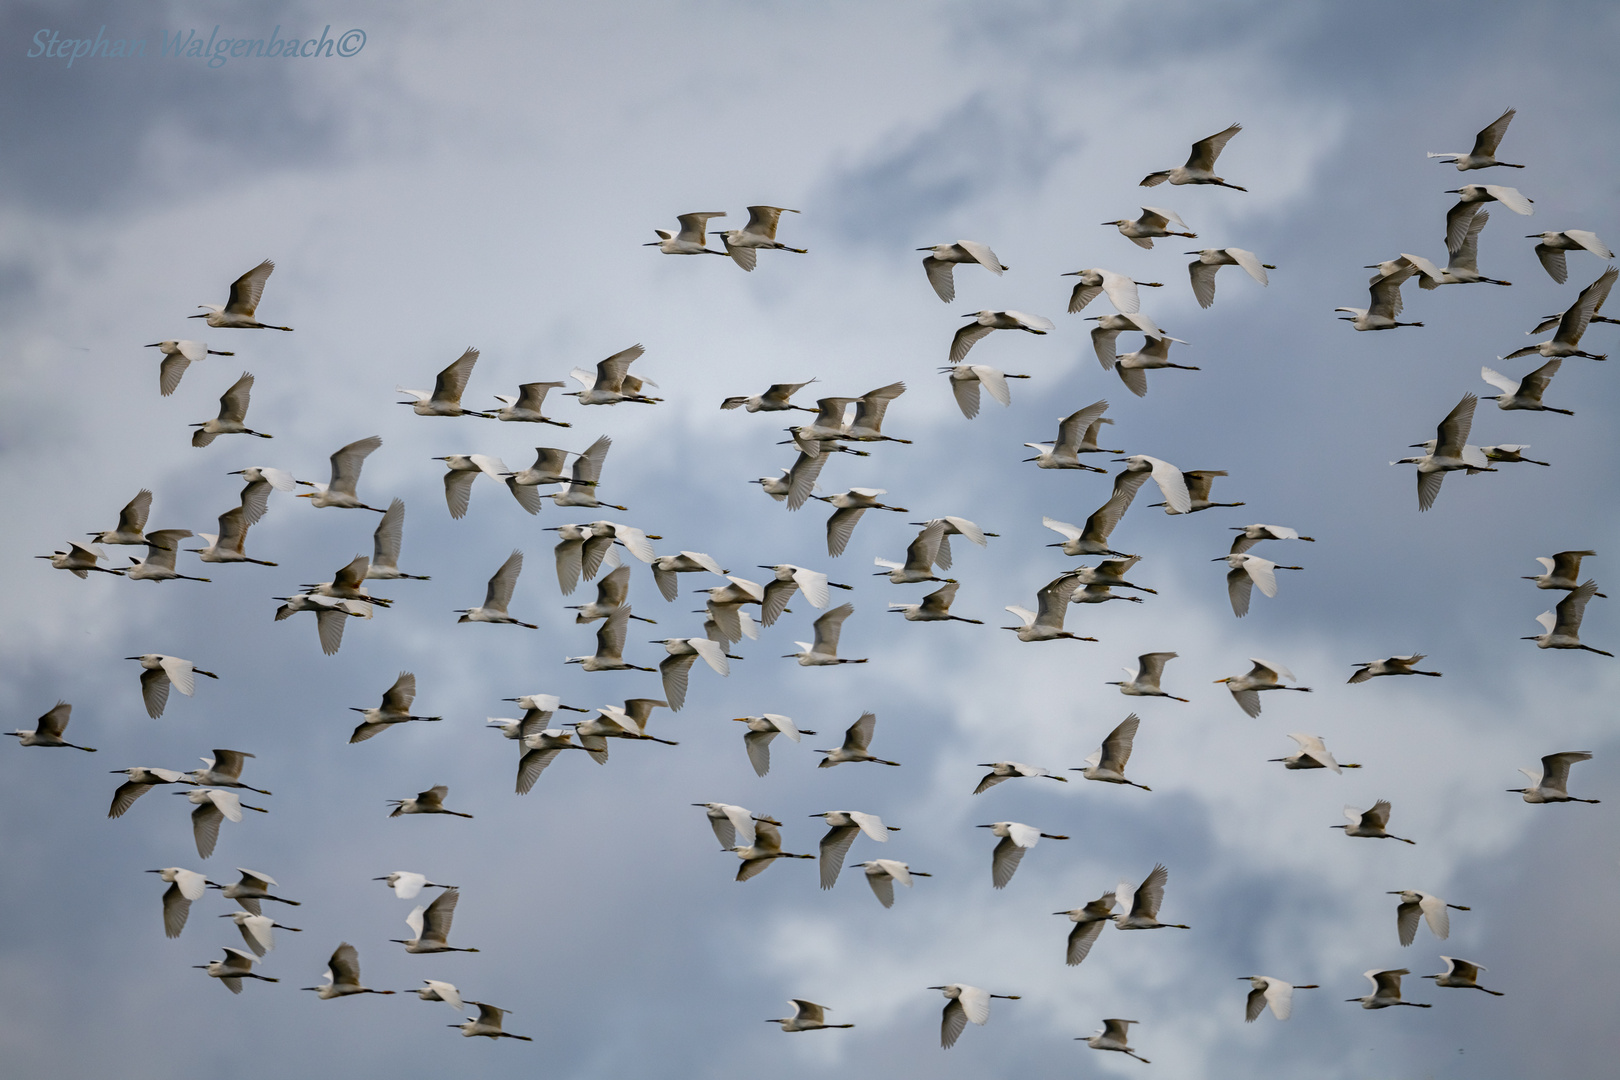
[{"x": 487, "y": 179}]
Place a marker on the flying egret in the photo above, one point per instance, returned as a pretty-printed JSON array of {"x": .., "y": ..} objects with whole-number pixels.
[
  {"x": 693, "y": 235},
  {"x": 1462, "y": 974},
  {"x": 430, "y": 801},
  {"x": 842, "y": 828},
  {"x": 665, "y": 569},
  {"x": 745, "y": 244},
  {"x": 395, "y": 709},
  {"x": 385, "y": 546},
  {"x": 213, "y": 807},
  {"x": 776, "y": 398},
  {"x": 765, "y": 849},
  {"x": 1551, "y": 784},
  {"x": 1393, "y": 665},
  {"x": 1251, "y": 535},
  {"x": 1483, "y": 155},
  {"x": 549, "y": 467},
  {"x": 343, "y": 975},
  {"x": 460, "y": 472},
  {"x": 612, "y": 592},
  {"x": 964, "y": 1003},
  {"x": 1449, "y": 453},
  {"x": 258, "y": 931},
  {"x": 1552, "y": 245},
  {"x": 1011, "y": 770},
  {"x": 540, "y": 749},
  {"x": 488, "y": 1024},
  {"x": 1016, "y": 838},
  {"x": 762, "y": 730},
  {"x": 1132, "y": 368},
  {"x": 445, "y": 397},
  {"x": 1139, "y": 907},
  {"x": 1107, "y": 762},
  {"x": 1567, "y": 338},
  {"x": 1200, "y": 167},
  {"x": 1372, "y": 822},
  {"x": 250, "y": 889},
  {"x": 966, "y": 379},
  {"x": 789, "y": 579},
  {"x": 435, "y": 990},
  {"x": 536, "y": 717},
  {"x": 1511, "y": 452},
  {"x": 1384, "y": 303},
  {"x": 529, "y": 405},
  {"x": 583, "y": 479},
  {"x": 675, "y": 669},
  {"x": 1312, "y": 754},
  {"x": 1105, "y": 335},
  {"x": 407, "y": 883},
  {"x": 1246, "y": 571},
  {"x": 1121, "y": 290},
  {"x": 935, "y": 607},
  {"x": 1268, "y": 991},
  {"x": 725, "y": 605},
  {"x": 226, "y": 546},
  {"x": 179, "y": 355},
  {"x": 1415, "y": 906},
  {"x": 1143, "y": 679},
  {"x": 1172, "y": 484},
  {"x": 1092, "y": 539},
  {"x": 1110, "y": 572},
  {"x": 1463, "y": 266},
  {"x": 239, "y": 308},
  {"x": 1563, "y": 623},
  {"x": 1470, "y": 198},
  {"x": 159, "y": 672},
  {"x": 857, "y": 739},
  {"x": 733, "y": 825},
  {"x": 612, "y": 382},
  {"x": 257, "y": 483},
  {"x": 431, "y": 925},
  {"x": 796, "y": 484},
  {"x": 1265, "y": 675},
  {"x": 1202, "y": 270},
  {"x": 942, "y": 259},
  {"x": 131, "y": 528},
  {"x": 986, "y": 321},
  {"x": 1155, "y": 221},
  {"x": 823, "y": 651},
  {"x": 1199, "y": 482},
  {"x": 237, "y": 964},
  {"x": 1563, "y": 570},
  {"x": 807, "y": 1016},
  {"x": 48, "y": 730},
  {"x": 1386, "y": 989},
  {"x": 1077, "y": 434},
  {"x": 1088, "y": 924},
  {"x": 162, "y": 546},
  {"x": 882, "y": 874},
  {"x": 346, "y": 464},
  {"x": 141, "y": 779},
  {"x": 79, "y": 559},
  {"x": 920, "y": 556},
  {"x": 609, "y": 655},
  {"x": 330, "y": 616},
  {"x": 184, "y": 887},
  {"x": 1525, "y": 393},
  {"x": 233, "y": 407},
  {"x": 224, "y": 769},
  {"x": 1115, "y": 1035},
  {"x": 497, "y": 595},
  {"x": 1046, "y": 623}
]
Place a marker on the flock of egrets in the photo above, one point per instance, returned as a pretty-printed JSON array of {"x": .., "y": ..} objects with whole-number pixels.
[{"x": 740, "y": 608}]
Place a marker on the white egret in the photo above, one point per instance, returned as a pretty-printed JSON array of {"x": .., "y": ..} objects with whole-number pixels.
[
  {"x": 1265, "y": 675},
  {"x": 725, "y": 605},
  {"x": 1155, "y": 221},
  {"x": 612, "y": 592},
  {"x": 1046, "y": 623},
  {"x": 857, "y": 739},
  {"x": 445, "y": 397},
  {"x": 540, "y": 749},
  {"x": 48, "y": 730},
  {"x": 1511, "y": 452},
  {"x": 609, "y": 655},
  {"x": 1088, "y": 924},
  {"x": 823, "y": 652},
  {"x": 1251, "y": 535},
  {"x": 675, "y": 670},
  {"x": 213, "y": 807},
  {"x": 919, "y": 562},
  {"x": 179, "y": 355},
  {"x": 842, "y": 828},
  {"x": 1567, "y": 338},
  {"x": 789, "y": 579},
  {"x": 1386, "y": 989},
  {"x": 226, "y": 546},
  {"x": 745, "y": 244},
  {"x": 1115, "y": 1035},
  {"x": 964, "y": 1003},
  {"x": 1563, "y": 570},
  {"x": 1372, "y": 822},
  {"x": 1246, "y": 571},
  {"x": 461, "y": 471},
  {"x": 250, "y": 889},
  {"x": 1483, "y": 155},
  {"x": 407, "y": 883},
  {"x": 796, "y": 484},
  {"x": 966, "y": 379},
  {"x": 1384, "y": 303},
  {"x": 1107, "y": 762},
  {"x": 529, "y": 406},
  {"x": 162, "y": 546},
  {"x": 935, "y": 607},
  {"x": 1202, "y": 270},
  {"x": 548, "y": 468},
  {"x": 1200, "y": 167},
  {"x": 1143, "y": 679},
  {"x": 258, "y": 930},
  {"x": 346, "y": 464},
  {"x": 1092, "y": 538},
  {"x": 986, "y": 321},
  {"x": 224, "y": 769},
  {"x": 1105, "y": 335},
  {"x": 488, "y": 1024},
  {"x": 1463, "y": 266},
  {"x": 1077, "y": 434},
  {"x": 233, "y": 407},
  {"x": 1110, "y": 572},
  {"x": 1121, "y": 290},
  {"x": 762, "y": 730},
  {"x": 385, "y": 546},
  {"x": 330, "y": 616},
  {"x": 1273, "y": 992},
  {"x": 1415, "y": 906},
  {"x": 1016, "y": 838},
  {"x": 1172, "y": 484},
  {"x": 665, "y": 569},
  {"x": 1449, "y": 453},
  {"x": 612, "y": 382},
  {"x": 1132, "y": 368},
  {"x": 238, "y": 310},
  {"x": 1470, "y": 198},
  {"x": 237, "y": 964},
  {"x": 1139, "y": 907},
  {"x": 131, "y": 528},
  {"x": 343, "y": 975},
  {"x": 79, "y": 559},
  {"x": 1462, "y": 974},
  {"x": 430, "y": 801},
  {"x": 436, "y": 990},
  {"x": 765, "y": 849},
  {"x": 1552, "y": 245},
  {"x": 807, "y": 1016},
  {"x": 1199, "y": 482},
  {"x": 184, "y": 887},
  {"x": 159, "y": 672},
  {"x": 693, "y": 235},
  {"x": 882, "y": 874},
  {"x": 1392, "y": 665},
  {"x": 1312, "y": 754},
  {"x": 257, "y": 483},
  {"x": 1551, "y": 784},
  {"x": 431, "y": 925},
  {"x": 733, "y": 825},
  {"x": 395, "y": 709},
  {"x": 942, "y": 259},
  {"x": 1011, "y": 770},
  {"x": 582, "y": 481},
  {"x": 1563, "y": 623},
  {"x": 1525, "y": 393},
  {"x": 141, "y": 779},
  {"x": 776, "y": 398},
  {"x": 498, "y": 595}
]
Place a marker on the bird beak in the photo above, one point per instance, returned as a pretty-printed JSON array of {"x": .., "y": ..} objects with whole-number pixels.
[{"x": 983, "y": 826}]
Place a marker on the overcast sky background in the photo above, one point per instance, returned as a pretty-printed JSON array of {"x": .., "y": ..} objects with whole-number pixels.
[{"x": 487, "y": 179}]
